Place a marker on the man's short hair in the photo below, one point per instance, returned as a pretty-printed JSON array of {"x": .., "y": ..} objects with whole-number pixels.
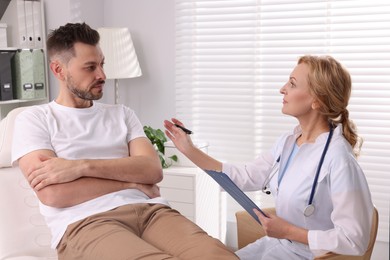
[{"x": 60, "y": 42}]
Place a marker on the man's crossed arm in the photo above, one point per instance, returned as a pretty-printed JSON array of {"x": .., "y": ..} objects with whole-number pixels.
[{"x": 63, "y": 183}]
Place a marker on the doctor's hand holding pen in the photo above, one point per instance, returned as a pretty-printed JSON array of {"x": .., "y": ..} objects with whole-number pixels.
[{"x": 180, "y": 136}]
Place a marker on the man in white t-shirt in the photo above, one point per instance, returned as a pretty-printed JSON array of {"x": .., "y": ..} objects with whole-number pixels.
[{"x": 93, "y": 169}]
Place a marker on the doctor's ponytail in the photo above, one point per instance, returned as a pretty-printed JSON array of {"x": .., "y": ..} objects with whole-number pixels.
[
  {"x": 349, "y": 131},
  {"x": 331, "y": 84}
]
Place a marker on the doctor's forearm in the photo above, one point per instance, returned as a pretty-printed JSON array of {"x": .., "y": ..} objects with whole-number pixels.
[{"x": 203, "y": 160}]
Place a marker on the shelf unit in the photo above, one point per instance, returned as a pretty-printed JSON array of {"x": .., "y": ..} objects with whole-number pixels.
[
  {"x": 9, "y": 17},
  {"x": 8, "y": 105}
]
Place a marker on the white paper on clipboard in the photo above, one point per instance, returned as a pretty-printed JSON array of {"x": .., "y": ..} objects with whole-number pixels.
[{"x": 230, "y": 187}]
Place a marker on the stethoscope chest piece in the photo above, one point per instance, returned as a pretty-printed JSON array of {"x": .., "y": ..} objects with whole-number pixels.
[{"x": 309, "y": 210}]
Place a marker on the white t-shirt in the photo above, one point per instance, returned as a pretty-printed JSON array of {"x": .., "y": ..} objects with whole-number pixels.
[{"x": 101, "y": 131}]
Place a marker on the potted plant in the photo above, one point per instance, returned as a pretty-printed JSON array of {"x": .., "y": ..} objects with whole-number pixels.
[{"x": 158, "y": 138}]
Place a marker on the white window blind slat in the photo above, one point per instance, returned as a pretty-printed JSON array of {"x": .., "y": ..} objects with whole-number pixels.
[{"x": 233, "y": 56}]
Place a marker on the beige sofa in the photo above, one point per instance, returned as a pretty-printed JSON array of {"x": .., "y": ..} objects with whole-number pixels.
[{"x": 23, "y": 232}]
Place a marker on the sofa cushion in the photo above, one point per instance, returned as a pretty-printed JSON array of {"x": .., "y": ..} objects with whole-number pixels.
[
  {"x": 24, "y": 234},
  {"x": 6, "y": 131},
  {"x": 23, "y": 230}
]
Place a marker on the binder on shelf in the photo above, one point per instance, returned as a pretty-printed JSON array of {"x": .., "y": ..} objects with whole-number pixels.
[
  {"x": 38, "y": 59},
  {"x": 6, "y": 90},
  {"x": 29, "y": 16},
  {"x": 22, "y": 74},
  {"x": 3, "y": 6},
  {"x": 38, "y": 41},
  {"x": 3, "y": 35},
  {"x": 15, "y": 15}
]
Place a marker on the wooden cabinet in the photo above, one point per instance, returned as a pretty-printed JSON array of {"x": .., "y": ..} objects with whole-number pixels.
[
  {"x": 28, "y": 38},
  {"x": 197, "y": 196}
]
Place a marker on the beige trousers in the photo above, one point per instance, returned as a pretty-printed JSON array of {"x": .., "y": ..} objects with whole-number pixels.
[{"x": 139, "y": 231}]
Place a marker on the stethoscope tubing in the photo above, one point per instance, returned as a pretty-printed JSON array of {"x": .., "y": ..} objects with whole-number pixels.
[
  {"x": 310, "y": 206},
  {"x": 314, "y": 186}
]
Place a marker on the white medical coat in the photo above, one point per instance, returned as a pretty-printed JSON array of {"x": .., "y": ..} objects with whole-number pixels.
[{"x": 342, "y": 219}]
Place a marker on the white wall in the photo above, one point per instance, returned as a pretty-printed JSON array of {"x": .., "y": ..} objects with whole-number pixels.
[{"x": 151, "y": 24}]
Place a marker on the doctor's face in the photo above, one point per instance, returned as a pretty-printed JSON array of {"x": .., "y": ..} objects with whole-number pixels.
[
  {"x": 297, "y": 100},
  {"x": 85, "y": 77}
]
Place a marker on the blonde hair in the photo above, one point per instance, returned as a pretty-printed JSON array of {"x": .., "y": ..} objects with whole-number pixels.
[{"x": 331, "y": 84}]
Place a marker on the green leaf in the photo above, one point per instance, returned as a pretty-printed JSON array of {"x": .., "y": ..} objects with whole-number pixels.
[
  {"x": 173, "y": 158},
  {"x": 157, "y": 138},
  {"x": 160, "y": 135}
]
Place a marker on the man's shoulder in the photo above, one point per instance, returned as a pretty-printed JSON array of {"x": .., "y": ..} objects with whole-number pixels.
[{"x": 34, "y": 110}]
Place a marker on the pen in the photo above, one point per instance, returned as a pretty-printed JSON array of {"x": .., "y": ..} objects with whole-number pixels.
[{"x": 187, "y": 131}]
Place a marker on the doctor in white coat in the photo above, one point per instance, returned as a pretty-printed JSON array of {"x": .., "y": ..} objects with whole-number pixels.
[{"x": 322, "y": 199}]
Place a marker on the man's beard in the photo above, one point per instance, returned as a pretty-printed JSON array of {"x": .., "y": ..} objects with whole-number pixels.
[{"x": 84, "y": 94}]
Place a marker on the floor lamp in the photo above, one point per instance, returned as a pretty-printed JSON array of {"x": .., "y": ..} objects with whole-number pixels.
[{"x": 120, "y": 58}]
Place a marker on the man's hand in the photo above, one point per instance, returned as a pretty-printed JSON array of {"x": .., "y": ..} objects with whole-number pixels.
[
  {"x": 53, "y": 170},
  {"x": 63, "y": 183},
  {"x": 151, "y": 190}
]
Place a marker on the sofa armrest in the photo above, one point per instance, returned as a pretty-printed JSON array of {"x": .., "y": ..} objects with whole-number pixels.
[{"x": 248, "y": 229}]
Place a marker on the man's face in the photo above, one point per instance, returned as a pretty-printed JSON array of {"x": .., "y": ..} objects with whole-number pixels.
[{"x": 84, "y": 75}]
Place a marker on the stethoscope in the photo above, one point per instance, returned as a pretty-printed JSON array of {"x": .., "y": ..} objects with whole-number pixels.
[{"x": 310, "y": 208}]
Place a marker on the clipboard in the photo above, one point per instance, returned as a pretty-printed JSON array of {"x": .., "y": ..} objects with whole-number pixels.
[{"x": 230, "y": 187}]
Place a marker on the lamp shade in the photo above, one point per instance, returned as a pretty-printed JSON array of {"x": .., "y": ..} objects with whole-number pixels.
[{"x": 120, "y": 57}]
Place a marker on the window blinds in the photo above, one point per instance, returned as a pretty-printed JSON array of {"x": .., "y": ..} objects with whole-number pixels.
[{"x": 233, "y": 56}]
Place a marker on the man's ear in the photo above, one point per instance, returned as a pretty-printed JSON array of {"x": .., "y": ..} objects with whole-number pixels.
[{"x": 58, "y": 70}]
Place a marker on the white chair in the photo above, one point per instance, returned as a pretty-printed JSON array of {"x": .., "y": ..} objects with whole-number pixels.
[{"x": 23, "y": 232}]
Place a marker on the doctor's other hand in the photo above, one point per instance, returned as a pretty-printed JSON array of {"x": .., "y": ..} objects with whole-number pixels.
[
  {"x": 277, "y": 227},
  {"x": 181, "y": 140},
  {"x": 273, "y": 225}
]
